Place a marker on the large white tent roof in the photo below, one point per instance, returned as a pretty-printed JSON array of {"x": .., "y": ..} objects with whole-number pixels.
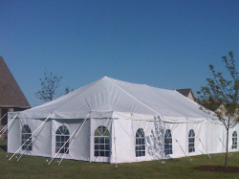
[{"x": 111, "y": 95}]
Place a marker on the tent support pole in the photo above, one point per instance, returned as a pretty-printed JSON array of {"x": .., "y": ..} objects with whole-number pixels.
[
  {"x": 222, "y": 142},
  {"x": 67, "y": 141},
  {"x": 3, "y": 117},
  {"x": 74, "y": 136},
  {"x": 30, "y": 137},
  {"x": 205, "y": 149},
  {"x": 132, "y": 126},
  {"x": 181, "y": 148},
  {"x": 90, "y": 138},
  {"x": 116, "y": 165},
  {"x": 6, "y": 127},
  {"x": 43, "y": 124},
  {"x": 111, "y": 143}
]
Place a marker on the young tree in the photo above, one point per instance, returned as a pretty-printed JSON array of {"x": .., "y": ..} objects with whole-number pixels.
[
  {"x": 49, "y": 85},
  {"x": 223, "y": 91},
  {"x": 67, "y": 90}
]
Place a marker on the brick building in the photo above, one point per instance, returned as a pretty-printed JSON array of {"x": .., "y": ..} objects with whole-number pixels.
[{"x": 11, "y": 96}]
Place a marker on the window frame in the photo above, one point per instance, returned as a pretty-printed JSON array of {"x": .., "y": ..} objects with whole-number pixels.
[
  {"x": 140, "y": 143},
  {"x": 234, "y": 140},
  {"x": 26, "y": 138},
  {"x": 191, "y": 141},
  {"x": 102, "y": 142},
  {"x": 62, "y": 135},
  {"x": 168, "y": 142}
]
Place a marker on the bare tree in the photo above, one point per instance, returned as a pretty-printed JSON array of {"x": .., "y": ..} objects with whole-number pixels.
[
  {"x": 222, "y": 91},
  {"x": 67, "y": 90},
  {"x": 49, "y": 85}
]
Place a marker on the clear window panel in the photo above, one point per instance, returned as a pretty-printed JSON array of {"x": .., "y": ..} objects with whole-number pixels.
[
  {"x": 26, "y": 138},
  {"x": 168, "y": 142},
  {"x": 62, "y": 142},
  {"x": 102, "y": 153},
  {"x": 107, "y": 153},
  {"x": 191, "y": 141},
  {"x": 102, "y": 142},
  {"x": 140, "y": 143}
]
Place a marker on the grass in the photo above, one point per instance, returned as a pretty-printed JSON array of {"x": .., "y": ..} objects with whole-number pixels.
[{"x": 36, "y": 167}]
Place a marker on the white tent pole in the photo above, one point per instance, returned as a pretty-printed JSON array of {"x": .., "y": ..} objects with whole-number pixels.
[
  {"x": 181, "y": 148},
  {"x": 133, "y": 135},
  {"x": 187, "y": 136},
  {"x": 66, "y": 141},
  {"x": 90, "y": 137},
  {"x": 6, "y": 127},
  {"x": 30, "y": 137},
  {"x": 108, "y": 118},
  {"x": 221, "y": 142},
  {"x": 43, "y": 124},
  {"x": 59, "y": 150},
  {"x": 3, "y": 117},
  {"x": 111, "y": 143},
  {"x": 204, "y": 148},
  {"x": 75, "y": 134},
  {"x": 115, "y": 145}
]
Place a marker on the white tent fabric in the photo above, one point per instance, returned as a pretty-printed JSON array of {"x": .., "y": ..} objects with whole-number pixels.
[{"x": 123, "y": 108}]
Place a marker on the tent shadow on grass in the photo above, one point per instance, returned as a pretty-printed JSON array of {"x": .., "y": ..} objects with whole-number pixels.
[
  {"x": 230, "y": 169},
  {"x": 3, "y": 145}
]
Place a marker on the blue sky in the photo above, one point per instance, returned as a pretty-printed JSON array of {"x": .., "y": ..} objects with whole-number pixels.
[{"x": 163, "y": 43}]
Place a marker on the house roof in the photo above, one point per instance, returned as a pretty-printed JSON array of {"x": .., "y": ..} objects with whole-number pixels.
[
  {"x": 10, "y": 93},
  {"x": 186, "y": 92}
]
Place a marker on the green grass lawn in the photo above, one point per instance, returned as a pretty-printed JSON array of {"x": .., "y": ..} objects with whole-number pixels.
[{"x": 36, "y": 167}]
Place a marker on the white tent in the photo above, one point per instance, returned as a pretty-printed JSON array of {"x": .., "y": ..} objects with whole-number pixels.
[{"x": 117, "y": 122}]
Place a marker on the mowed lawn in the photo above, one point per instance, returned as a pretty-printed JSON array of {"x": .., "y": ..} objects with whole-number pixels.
[{"x": 36, "y": 167}]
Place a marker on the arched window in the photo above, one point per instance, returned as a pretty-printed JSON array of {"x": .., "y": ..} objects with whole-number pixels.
[
  {"x": 102, "y": 142},
  {"x": 168, "y": 142},
  {"x": 62, "y": 135},
  {"x": 140, "y": 143},
  {"x": 26, "y": 138},
  {"x": 234, "y": 140},
  {"x": 191, "y": 141}
]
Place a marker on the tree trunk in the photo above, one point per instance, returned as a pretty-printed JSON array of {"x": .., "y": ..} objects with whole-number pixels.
[{"x": 227, "y": 137}]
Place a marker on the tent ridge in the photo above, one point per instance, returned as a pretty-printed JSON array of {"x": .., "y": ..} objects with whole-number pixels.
[{"x": 134, "y": 98}]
